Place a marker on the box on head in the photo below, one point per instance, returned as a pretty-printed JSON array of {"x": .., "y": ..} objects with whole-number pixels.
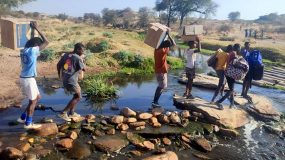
[
  {"x": 156, "y": 34},
  {"x": 15, "y": 33},
  {"x": 190, "y": 32}
]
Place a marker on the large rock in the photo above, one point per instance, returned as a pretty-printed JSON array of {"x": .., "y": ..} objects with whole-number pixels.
[
  {"x": 127, "y": 112},
  {"x": 79, "y": 151},
  {"x": 261, "y": 107},
  {"x": 163, "y": 119},
  {"x": 144, "y": 116},
  {"x": 203, "y": 144},
  {"x": 109, "y": 144},
  {"x": 24, "y": 147},
  {"x": 64, "y": 144},
  {"x": 230, "y": 118},
  {"x": 228, "y": 132},
  {"x": 45, "y": 130},
  {"x": 11, "y": 153},
  {"x": 174, "y": 118},
  {"x": 135, "y": 139},
  {"x": 157, "y": 111},
  {"x": 137, "y": 124},
  {"x": 169, "y": 155},
  {"x": 117, "y": 119}
]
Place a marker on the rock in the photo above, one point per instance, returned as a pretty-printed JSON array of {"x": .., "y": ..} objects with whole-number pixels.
[
  {"x": 148, "y": 145},
  {"x": 79, "y": 151},
  {"x": 139, "y": 128},
  {"x": 123, "y": 127},
  {"x": 203, "y": 144},
  {"x": 174, "y": 118},
  {"x": 136, "y": 153},
  {"x": 72, "y": 135},
  {"x": 153, "y": 120},
  {"x": 229, "y": 118},
  {"x": 130, "y": 120},
  {"x": 31, "y": 157},
  {"x": 185, "y": 139},
  {"x": 157, "y": 111},
  {"x": 199, "y": 115},
  {"x": 104, "y": 122},
  {"x": 166, "y": 141},
  {"x": 41, "y": 152},
  {"x": 216, "y": 128},
  {"x": 12, "y": 153},
  {"x": 109, "y": 144},
  {"x": 64, "y": 144},
  {"x": 201, "y": 156},
  {"x": 156, "y": 125},
  {"x": 202, "y": 81},
  {"x": 185, "y": 114},
  {"x": 272, "y": 130},
  {"x": 55, "y": 86},
  {"x": 88, "y": 128},
  {"x": 144, "y": 116},
  {"x": 155, "y": 141},
  {"x": 77, "y": 119},
  {"x": 90, "y": 118},
  {"x": 47, "y": 120},
  {"x": 24, "y": 147},
  {"x": 127, "y": 112},
  {"x": 45, "y": 130},
  {"x": 228, "y": 132},
  {"x": 99, "y": 133},
  {"x": 63, "y": 127},
  {"x": 117, "y": 119},
  {"x": 169, "y": 155},
  {"x": 137, "y": 124},
  {"x": 160, "y": 151},
  {"x": 111, "y": 131},
  {"x": 31, "y": 140},
  {"x": 163, "y": 119},
  {"x": 135, "y": 139}
]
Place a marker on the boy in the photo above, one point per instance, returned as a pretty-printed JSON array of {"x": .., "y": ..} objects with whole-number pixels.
[
  {"x": 161, "y": 68},
  {"x": 27, "y": 77},
  {"x": 190, "y": 66},
  {"x": 71, "y": 66}
]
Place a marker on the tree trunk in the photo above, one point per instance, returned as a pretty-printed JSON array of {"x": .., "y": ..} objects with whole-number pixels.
[
  {"x": 169, "y": 15},
  {"x": 181, "y": 21}
]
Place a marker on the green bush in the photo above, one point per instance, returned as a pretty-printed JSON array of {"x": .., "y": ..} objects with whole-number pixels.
[
  {"x": 97, "y": 89},
  {"x": 141, "y": 36},
  {"x": 47, "y": 55},
  {"x": 175, "y": 63},
  {"x": 100, "y": 47},
  {"x": 108, "y": 34},
  {"x": 124, "y": 57},
  {"x": 91, "y": 33}
]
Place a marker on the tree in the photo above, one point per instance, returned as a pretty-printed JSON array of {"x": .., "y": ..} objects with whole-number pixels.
[
  {"x": 144, "y": 17},
  {"x": 233, "y": 16},
  {"x": 128, "y": 17},
  {"x": 109, "y": 17},
  {"x": 168, "y": 5},
  {"x": 186, "y": 7},
  {"x": 62, "y": 16},
  {"x": 7, "y": 5}
]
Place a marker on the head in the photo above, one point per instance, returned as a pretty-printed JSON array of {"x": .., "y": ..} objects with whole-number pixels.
[
  {"x": 165, "y": 44},
  {"x": 33, "y": 42},
  {"x": 246, "y": 45},
  {"x": 237, "y": 48},
  {"x": 230, "y": 48},
  {"x": 191, "y": 44},
  {"x": 79, "y": 49}
]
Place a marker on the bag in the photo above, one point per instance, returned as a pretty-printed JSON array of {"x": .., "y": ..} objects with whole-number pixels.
[
  {"x": 256, "y": 66},
  {"x": 212, "y": 61},
  {"x": 237, "y": 68}
]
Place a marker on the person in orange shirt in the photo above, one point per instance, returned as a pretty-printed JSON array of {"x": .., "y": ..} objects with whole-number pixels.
[
  {"x": 222, "y": 58},
  {"x": 161, "y": 68}
]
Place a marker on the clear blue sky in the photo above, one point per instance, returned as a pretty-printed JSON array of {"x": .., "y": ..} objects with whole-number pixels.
[{"x": 249, "y": 9}]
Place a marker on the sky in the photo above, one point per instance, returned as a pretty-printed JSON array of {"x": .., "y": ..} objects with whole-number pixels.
[{"x": 249, "y": 9}]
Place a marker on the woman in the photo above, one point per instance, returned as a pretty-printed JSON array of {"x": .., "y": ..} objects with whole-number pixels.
[{"x": 231, "y": 82}]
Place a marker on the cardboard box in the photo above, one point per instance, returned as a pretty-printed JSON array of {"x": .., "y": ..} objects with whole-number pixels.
[
  {"x": 15, "y": 33},
  {"x": 156, "y": 34},
  {"x": 192, "y": 30},
  {"x": 185, "y": 38}
]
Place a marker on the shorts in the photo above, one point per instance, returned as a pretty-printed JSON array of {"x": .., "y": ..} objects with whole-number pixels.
[
  {"x": 162, "y": 80},
  {"x": 29, "y": 88},
  {"x": 190, "y": 73},
  {"x": 76, "y": 90}
]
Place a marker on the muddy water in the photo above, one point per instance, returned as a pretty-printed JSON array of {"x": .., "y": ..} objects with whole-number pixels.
[{"x": 137, "y": 93}]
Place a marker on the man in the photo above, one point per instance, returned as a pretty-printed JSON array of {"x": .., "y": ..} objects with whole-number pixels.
[
  {"x": 248, "y": 78},
  {"x": 71, "y": 66},
  {"x": 27, "y": 77},
  {"x": 190, "y": 66},
  {"x": 246, "y": 49},
  {"x": 161, "y": 68}
]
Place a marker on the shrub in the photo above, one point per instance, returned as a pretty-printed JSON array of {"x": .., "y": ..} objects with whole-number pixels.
[
  {"x": 91, "y": 33},
  {"x": 123, "y": 57},
  {"x": 225, "y": 28},
  {"x": 137, "y": 61},
  {"x": 175, "y": 63},
  {"x": 47, "y": 55},
  {"x": 141, "y": 36},
  {"x": 78, "y": 33},
  {"x": 226, "y": 38},
  {"x": 97, "y": 89},
  {"x": 108, "y": 34},
  {"x": 100, "y": 47}
]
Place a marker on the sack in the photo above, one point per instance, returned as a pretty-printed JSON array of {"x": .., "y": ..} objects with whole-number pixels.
[
  {"x": 237, "y": 69},
  {"x": 256, "y": 66},
  {"x": 212, "y": 61},
  {"x": 257, "y": 72}
]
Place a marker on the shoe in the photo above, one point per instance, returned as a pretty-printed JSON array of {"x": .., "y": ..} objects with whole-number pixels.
[
  {"x": 64, "y": 116},
  {"x": 212, "y": 102},
  {"x": 32, "y": 126},
  {"x": 20, "y": 120},
  {"x": 185, "y": 95},
  {"x": 220, "y": 106},
  {"x": 74, "y": 115}
]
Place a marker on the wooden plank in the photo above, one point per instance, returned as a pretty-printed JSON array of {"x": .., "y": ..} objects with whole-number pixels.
[{"x": 7, "y": 34}]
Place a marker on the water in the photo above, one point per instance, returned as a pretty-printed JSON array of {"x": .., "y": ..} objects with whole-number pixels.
[{"x": 137, "y": 93}]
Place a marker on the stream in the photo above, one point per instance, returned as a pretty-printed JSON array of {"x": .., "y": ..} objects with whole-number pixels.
[{"x": 137, "y": 93}]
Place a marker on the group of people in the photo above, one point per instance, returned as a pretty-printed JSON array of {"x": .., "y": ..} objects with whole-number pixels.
[
  {"x": 233, "y": 55},
  {"x": 70, "y": 70}
]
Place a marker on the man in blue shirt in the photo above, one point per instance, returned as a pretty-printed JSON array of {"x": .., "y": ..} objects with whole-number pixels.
[{"x": 27, "y": 77}]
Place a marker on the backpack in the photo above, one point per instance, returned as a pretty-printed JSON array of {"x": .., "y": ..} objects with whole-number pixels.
[
  {"x": 237, "y": 68},
  {"x": 212, "y": 61},
  {"x": 255, "y": 64}
]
